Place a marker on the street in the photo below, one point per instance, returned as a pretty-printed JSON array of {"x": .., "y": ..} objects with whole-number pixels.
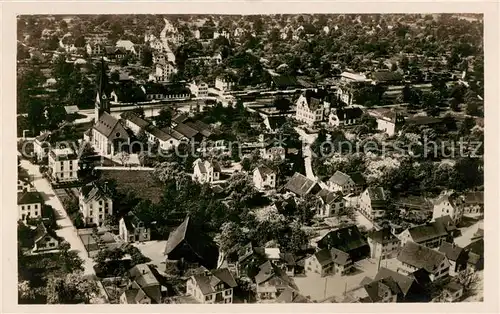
[{"x": 307, "y": 139}]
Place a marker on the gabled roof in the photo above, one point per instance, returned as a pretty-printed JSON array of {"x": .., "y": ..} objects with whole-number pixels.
[
  {"x": 106, "y": 124},
  {"x": 208, "y": 282},
  {"x": 177, "y": 236},
  {"x": 328, "y": 197},
  {"x": 420, "y": 256},
  {"x": 339, "y": 178},
  {"x": 346, "y": 239},
  {"x": 42, "y": 231},
  {"x": 301, "y": 185},
  {"x": 274, "y": 276},
  {"x": 93, "y": 191},
  {"x": 382, "y": 236},
  {"x": 185, "y": 130},
  {"x": 386, "y": 76},
  {"x": 404, "y": 282},
  {"x": 377, "y": 289},
  {"x": 276, "y": 122},
  {"x": 427, "y": 231},
  {"x": 264, "y": 171},
  {"x": 144, "y": 277},
  {"x": 203, "y": 165},
  {"x": 180, "y": 118},
  {"x": 131, "y": 222},
  {"x": 290, "y": 295},
  {"x": 29, "y": 198},
  {"x": 451, "y": 250},
  {"x": 376, "y": 194},
  {"x": 358, "y": 178},
  {"x": 348, "y": 113},
  {"x": 135, "y": 119},
  {"x": 160, "y": 134},
  {"x": 201, "y": 127},
  {"x": 473, "y": 198}
]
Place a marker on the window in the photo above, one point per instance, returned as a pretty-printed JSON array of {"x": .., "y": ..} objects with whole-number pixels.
[
  {"x": 22, "y": 207},
  {"x": 36, "y": 213},
  {"x": 36, "y": 206},
  {"x": 29, "y": 207},
  {"x": 208, "y": 298},
  {"x": 100, "y": 202}
]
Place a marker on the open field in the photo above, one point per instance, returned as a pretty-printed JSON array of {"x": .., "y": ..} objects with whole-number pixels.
[{"x": 141, "y": 183}]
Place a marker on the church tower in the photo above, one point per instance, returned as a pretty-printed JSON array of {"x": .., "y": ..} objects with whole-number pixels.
[{"x": 101, "y": 101}]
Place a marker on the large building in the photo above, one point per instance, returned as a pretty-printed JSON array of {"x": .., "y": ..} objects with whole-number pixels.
[
  {"x": 95, "y": 204},
  {"x": 63, "y": 165},
  {"x": 448, "y": 204},
  {"x": 212, "y": 287},
  {"x": 310, "y": 108},
  {"x": 373, "y": 202},
  {"x": 413, "y": 257},
  {"x": 29, "y": 205}
]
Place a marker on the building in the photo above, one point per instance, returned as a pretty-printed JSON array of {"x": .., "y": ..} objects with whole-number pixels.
[
  {"x": 264, "y": 178},
  {"x": 95, "y": 203},
  {"x": 329, "y": 262},
  {"x": 145, "y": 287},
  {"x": 189, "y": 244},
  {"x": 63, "y": 165},
  {"x": 224, "y": 83},
  {"x": 383, "y": 244},
  {"x": 41, "y": 146},
  {"x": 414, "y": 256},
  {"x": 412, "y": 286},
  {"x": 373, "y": 202},
  {"x": 456, "y": 255},
  {"x": 452, "y": 292},
  {"x": 348, "y": 77},
  {"x": 94, "y": 49},
  {"x": 29, "y": 205},
  {"x": 384, "y": 290},
  {"x": 475, "y": 252},
  {"x": 448, "y": 204},
  {"x": 388, "y": 121},
  {"x": 473, "y": 203},
  {"x": 127, "y": 45},
  {"x": 45, "y": 239},
  {"x": 345, "y": 116},
  {"x": 164, "y": 70},
  {"x": 23, "y": 181},
  {"x": 352, "y": 183},
  {"x": 290, "y": 295},
  {"x": 271, "y": 281},
  {"x": 347, "y": 239},
  {"x": 199, "y": 89},
  {"x": 310, "y": 107},
  {"x": 131, "y": 229},
  {"x": 134, "y": 295},
  {"x": 431, "y": 234},
  {"x": 386, "y": 78},
  {"x": 301, "y": 185},
  {"x": 206, "y": 171},
  {"x": 332, "y": 203},
  {"x": 134, "y": 122},
  {"x": 212, "y": 287}
]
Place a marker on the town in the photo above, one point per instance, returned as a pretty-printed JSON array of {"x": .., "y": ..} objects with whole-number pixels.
[{"x": 201, "y": 159}]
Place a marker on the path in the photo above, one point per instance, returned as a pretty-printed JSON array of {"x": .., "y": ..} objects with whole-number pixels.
[
  {"x": 467, "y": 233},
  {"x": 307, "y": 140}
]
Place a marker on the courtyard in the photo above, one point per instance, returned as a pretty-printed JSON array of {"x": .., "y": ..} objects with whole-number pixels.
[{"x": 153, "y": 250}]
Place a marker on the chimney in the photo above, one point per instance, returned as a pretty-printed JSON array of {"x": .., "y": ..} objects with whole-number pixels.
[
  {"x": 350, "y": 231},
  {"x": 143, "y": 271}
]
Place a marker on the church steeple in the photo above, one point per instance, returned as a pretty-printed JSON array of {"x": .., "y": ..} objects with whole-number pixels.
[{"x": 101, "y": 101}]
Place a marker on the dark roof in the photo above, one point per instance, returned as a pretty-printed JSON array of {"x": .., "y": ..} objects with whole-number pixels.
[
  {"x": 160, "y": 134},
  {"x": 180, "y": 118},
  {"x": 346, "y": 239},
  {"x": 290, "y": 295},
  {"x": 420, "y": 256},
  {"x": 348, "y": 113},
  {"x": 283, "y": 81},
  {"x": 135, "y": 119},
  {"x": 474, "y": 198},
  {"x": 208, "y": 282},
  {"x": 451, "y": 250},
  {"x": 177, "y": 236},
  {"x": 446, "y": 222},
  {"x": 377, "y": 289},
  {"x": 386, "y": 76},
  {"x": 301, "y": 185},
  {"x": 329, "y": 197},
  {"x": 404, "y": 282},
  {"x": 276, "y": 122},
  {"x": 358, "y": 178},
  {"x": 201, "y": 127},
  {"x": 415, "y": 202},
  {"x": 185, "y": 130},
  {"x": 339, "y": 178},
  {"x": 106, "y": 124},
  {"x": 268, "y": 272},
  {"x": 376, "y": 194},
  {"x": 131, "y": 222},
  {"x": 135, "y": 295},
  {"x": 29, "y": 198},
  {"x": 145, "y": 278},
  {"x": 428, "y": 231},
  {"x": 382, "y": 236},
  {"x": 423, "y": 120},
  {"x": 42, "y": 231},
  {"x": 476, "y": 247},
  {"x": 314, "y": 98},
  {"x": 92, "y": 190},
  {"x": 453, "y": 286},
  {"x": 264, "y": 170}
]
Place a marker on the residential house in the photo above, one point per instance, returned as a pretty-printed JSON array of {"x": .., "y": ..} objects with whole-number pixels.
[
  {"x": 412, "y": 287},
  {"x": 23, "y": 181},
  {"x": 475, "y": 252},
  {"x": 199, "y": 89},
  {"x": 414, "y": 256},
  {"x": 134, "y": 295},
  {"x": 94, "y": 49},
  {"x": 452, "y": 292},
  {"x": 348, "y": 77},
  {"x": 329, "y": 262},
  {"x": 127, "y": 45},
  {"x": 448, "y": 204},
  {"x": 264, "y": 178},
  {"x": 212, "y": 287},
  {"x": 41, "y": 145},
  {"x": 145, "y": 287},
  {"x": 430, "y": 234},
  {"x": 473, "y": 203},
  {"x": 95, "y": 203},
  {"x": 302, "y": 186},
  {"x": 45, "y": 239},
  {"x": 332, "y": 203},
  {"x": 384, "y": 290},
  {"x": 164, "y": 70},
  {"x": 206, "y": 171},
  {"x": 456, "y": 255},
  {"x": 383, "y": 244},
  {"x": 272, "y": 152},
  {"x": 414, "y": 204},
  {"x": 291, "y": 264},
  {"x": 166, "y": 138},
  {"x": 310, "y": 107},
  {"x": 134, "y": 122},
  {"x": 63, "y": 165},
  {"x": 290, "y": 295},
  {"x": 373, "y": 202},
  {"x": 352, "y": 183},
  {"x": 347, "y": 239},
  {"x": 388, "y": 121},
  {"x": 224, "y": 83},
  {"x": 386, "y": 78},
  {"x": 243, "y": 259},
  {"x": 274, "y": 123},
  {"x": 187, "y": 243},
  {"x": 29, "y": 205},
  {"x": 131, "y": 229},
  {"x": 271, "y": 281},
  {"x": 345, "y": 116}
]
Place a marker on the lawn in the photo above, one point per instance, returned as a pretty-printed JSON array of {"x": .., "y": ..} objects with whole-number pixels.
[{"x": 141, "y": 183}]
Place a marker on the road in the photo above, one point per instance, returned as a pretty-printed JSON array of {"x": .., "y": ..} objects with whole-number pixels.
[
  {"x": 467, "y": 233},
  {"x": 307, "y": 140}
]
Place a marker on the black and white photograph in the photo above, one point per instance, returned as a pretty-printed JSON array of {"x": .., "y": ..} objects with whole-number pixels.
[{"x": 250, "y": 158}]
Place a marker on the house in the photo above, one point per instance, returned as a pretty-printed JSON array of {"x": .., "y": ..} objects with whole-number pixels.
[
  {"x": 348, "y": 77},
  {"x": 94, "y": 49},
  {"x": 291, "y": 264},
  {"x": 347, "y": 239},
  {"x": 473, "y": 203},
  {"x": 224, "y": 83},
  {"x": 284, "y": 82},
  {"x": 301, "y": 185},
  {"x": 206, "y": 171},
  {"x": 127, "y": 45},
  {"x": 134, "y": 122},
  {"x": 134, "y": 295},
  {"x": 414, "y": 256},
  {"x": 416, "y": 204},
  {"x": 373, "y": 202},
  {"x": 29, "y": 205},
  {"x": 242, "y": 259},
  {"x": 384, "y": 290},
  {"x": 45, "y": 239},
  {"x": 383, "y": 244},
  {"x": 386, "y": 78},
  {"x": 164, "y": 70},
  {"x": 187, "y": 243},
  {"x": 310, "y": 107},
  {"x": 264, "y": 178},
  {"x": 271, "y": 152},
  {"x": 290, "y": 295},
  {"x": 199, "y": 89},
  {"x": 448, "y": 204},
  {"x": 431, "y": 234},
  {"x": 23, "y": 181},
  {"x": 329, "y": 262},
  {"x": 274, "y": 123},
  {"x": 63, "y": 165},
  {"x": 41, "y": 145},
  {"x": 145, "y": 286},
  {"x": 166, "y": 138},
  {"x": 388, "y": 121},
  {"x": 475, "y": 252},
  {"x": 332, "y": 203},
  {"x": 271, "y": 281},
  {"x": 352, "y": 183},
  {"x": 131, "y": 229},
  {"x": 412, "y": 287},
  {"x": 95, "y": 204},
  {"x": 212, "y": 287},
  {"x": 345, "y": 116},
  {"x": 452, "y": 292},
  {"x": 108, "y": 134},
  {"x": 456, "y": 255}
]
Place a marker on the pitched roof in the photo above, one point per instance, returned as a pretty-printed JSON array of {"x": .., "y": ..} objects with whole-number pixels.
[
  {"x": 376, "y": 194},
  {"x": 42, "y": 231},
  {"x": 290, "y": 295},
  {"x": 180, "y": 118},
  {"x": 208, "y": 282},
  {"x": 382, "y": 236},
  {"x": 268, "y": 272},
  {"x": 285, "y": 81},
  {"x": 386, "y": 76},
  {"x": 357, "y": 177},
  {"x": 377, "y": 289},
  {"x": 421, "y": 256},
  {"x": 301, "y": 185},
  {"x": 451, "y": 250},
  {"x": 135, "y": 119},
  {"x": 177, "y": 236},
  {"x": 106, "y": 124},
  {"x": 185, "y": 130},
  {"x": 201, "y": 127},
  {"x": 276, "y": 122},
  {"x": 346, "y": 239},
  {"x": 339, "y": 178},
  {"x": 404, "y": 282},
  {"x": 329, "y": 197},
  {"x": 144, "y": 277},
  {"x": 160, "y": 134},
  {"x": 348, "y": 113},
  {"x": 471, "y": 198},
  {"x": 131, "y": 221},
  {"x": 264, "y": 170},
  {"x": 29, "y": 198},
  {"x": 427, "y": 231},
  {"x": 93, "y": 191}
]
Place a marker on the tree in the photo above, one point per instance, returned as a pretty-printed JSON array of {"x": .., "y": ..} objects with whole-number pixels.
[
  {"x": 282, "y": 104},
  {"x": 230, "y": 234},
  {"x": 293, "y": 239},
  {"x": 164, "y": 118},
  {"x": 25, "y": 293},
  {"x": 147, "y": 57},
  {"x": 80, "y": 41},
  {"x": 124, "y": 157},
  {"x": 473, "y": 108},
  {"x": 139, "y": 111},
  {"x": 71, "y": 289}
]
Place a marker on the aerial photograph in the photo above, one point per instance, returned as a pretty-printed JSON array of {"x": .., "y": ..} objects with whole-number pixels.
[{"x": 280, "y": 158}]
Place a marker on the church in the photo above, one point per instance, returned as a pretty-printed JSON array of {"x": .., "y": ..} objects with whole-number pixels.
[{"x": 107, "y": 135}]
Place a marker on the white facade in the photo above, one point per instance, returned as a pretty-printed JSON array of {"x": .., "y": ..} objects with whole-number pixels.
[
  {"x": 63, "y": 165},
  {"x": 386, "y": 125},
  {"x": 440, "y": 272},
  {"x": 445, "y": 206},
  {"x": 223, "y": 84},
  {"x": 23, "y": 186},
  {"x": 205, "y": 172},
  {"x": 96, "y": 209},
  {"x": 25, "y": 211},
  {"x": 164, "y": 71},
  {"x": 264, "y": 181},
  {"x": 199, "y": 90},
  {"x": 365, "y": 205},
  {"x": 305, "y": 114},
  {"x": 194, "y": 290},
  {"x": 94, "y": 49}
]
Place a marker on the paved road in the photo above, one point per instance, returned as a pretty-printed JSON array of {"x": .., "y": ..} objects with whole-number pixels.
[
  {"x": 467, "y": 234},
  {"x": 307, "y": 140}
]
